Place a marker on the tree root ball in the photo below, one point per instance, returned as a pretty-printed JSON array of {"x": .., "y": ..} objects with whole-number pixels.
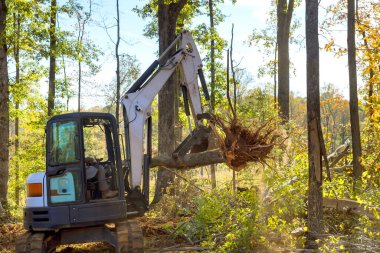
[{"x": 242, "y": 145}]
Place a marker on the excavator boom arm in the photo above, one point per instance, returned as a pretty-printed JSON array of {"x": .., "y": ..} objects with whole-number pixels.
[{"x": 138, "y": 99}]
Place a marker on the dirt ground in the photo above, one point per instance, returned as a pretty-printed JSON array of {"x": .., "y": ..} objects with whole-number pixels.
[
  {"x": 155, "y": 240},
  {"x": 9, "y": 232}
]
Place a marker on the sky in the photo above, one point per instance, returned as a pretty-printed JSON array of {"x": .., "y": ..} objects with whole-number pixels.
[{"x": 246, "y": 15}]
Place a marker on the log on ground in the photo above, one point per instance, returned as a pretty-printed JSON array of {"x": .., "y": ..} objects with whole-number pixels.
[{"x": 352, "y": 206}]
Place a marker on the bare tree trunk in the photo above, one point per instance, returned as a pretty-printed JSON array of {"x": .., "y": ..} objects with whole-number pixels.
[
  {"x": 284, "y": 17},
  {"x": 65, "y": 79},
  {"x": 117, "y": 114},
  {"x": 81, "y": 27},
  {"x": 213, "y": 175},
  {"x": 370, "y": 88},
  {"x": 17, "y": 104},
  {"x": 53, "y": 48},
  {"x": 79, "y": 83},
  {"x": 66, "y": 83},
  {"x": 275, "y": 77},
  {"x": 17, "y": 164},
  {"x": 4, "y": 108},
  {"x": 371, "y": 70},
  {"x": 315, "y": 214},
  {"x": 212, "y": 53},
  {"x": 212, "y": 72},
  {"x": 354, "y": 112},
  {"x": 167, "y": 21},
  {"x": 228, "y": 83},
  {"x": 234, "y": 180},
  {"x": 235, "y": 84},
  {"x": 233, "y": 67}
]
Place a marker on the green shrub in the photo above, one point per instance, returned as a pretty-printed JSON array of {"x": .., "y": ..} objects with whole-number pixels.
[{"x": 224, "y": 221}]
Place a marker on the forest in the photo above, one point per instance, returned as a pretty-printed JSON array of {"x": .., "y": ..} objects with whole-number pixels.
[{"x": 285, "y": 99}]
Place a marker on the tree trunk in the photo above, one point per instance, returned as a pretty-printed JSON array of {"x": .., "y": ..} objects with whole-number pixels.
[
  {"x": 167, "y": 21},
  {"x": 275, "y": 77},
  {"x": 81, "y": 27},
  {"x": 234, "y": 180},
  {"x": 370, "y": 89},
  {"x": 16, "y": 50},
  {"x": 53, "y": 43},
  {"x": 4, "y": 108},
  {"x": 117, "y": 114},
  {"x": 371, "y": 70},
  {"x": 212, "y": 72},
  {"x": 354, "y": 112},
  {"x": 212, "y": 54},
  {"x": 79, "y": 82},
  {"x": 67, "y": 85},
  {"x": 371, "y": 79},
  {"x": 284, "y": 17},
  {"x": 17, "y": 148},
  {"x": 315, "y": 214}
]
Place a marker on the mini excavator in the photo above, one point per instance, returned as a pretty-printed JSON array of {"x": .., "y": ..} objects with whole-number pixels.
[{"x": 88, "y": 193}]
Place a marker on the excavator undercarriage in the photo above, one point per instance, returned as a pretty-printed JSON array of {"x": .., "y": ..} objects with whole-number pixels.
[{"x": 124, "y": 236}]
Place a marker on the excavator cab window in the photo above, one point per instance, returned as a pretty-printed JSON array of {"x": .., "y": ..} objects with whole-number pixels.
[
  {"x": 99, "y": 160},
  {"x": 64, "y": 173},
  {"x": 64, "y": 143},
  {"x": 95, "y": 143}
]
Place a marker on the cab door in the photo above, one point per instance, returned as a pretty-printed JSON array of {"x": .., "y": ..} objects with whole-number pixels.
[{"x": 64, "y": 165}]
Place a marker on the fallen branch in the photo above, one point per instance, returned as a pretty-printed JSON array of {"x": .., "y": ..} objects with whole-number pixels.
[
  {"x": 350, "y": 206},
  {"x": 341, "y": 152},
  {"x": 190, "y": 160}
]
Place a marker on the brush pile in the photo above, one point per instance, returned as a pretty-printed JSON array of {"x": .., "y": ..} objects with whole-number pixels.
[{"x": 241, "y": 144}]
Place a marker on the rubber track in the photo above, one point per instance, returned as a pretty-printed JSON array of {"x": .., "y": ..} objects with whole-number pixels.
[
  {"x": 129, "y": 237},
  {"x": 31, "y": 243}
]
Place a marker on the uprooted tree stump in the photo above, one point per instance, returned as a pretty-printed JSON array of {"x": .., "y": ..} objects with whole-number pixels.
[{"x": 239, "y": 145}]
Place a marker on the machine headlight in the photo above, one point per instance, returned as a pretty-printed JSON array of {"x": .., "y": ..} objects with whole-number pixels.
[{"x": 34, "y": 190}]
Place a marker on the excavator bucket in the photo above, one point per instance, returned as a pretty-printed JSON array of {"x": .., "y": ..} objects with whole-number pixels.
[{"x": 195, "y": 142}]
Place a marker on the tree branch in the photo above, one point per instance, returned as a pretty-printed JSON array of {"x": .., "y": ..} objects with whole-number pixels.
[
  {"x": 228, "y": 84},
  {"x": 352, "y": 206},
  {"x": 232, "y": 69}
]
